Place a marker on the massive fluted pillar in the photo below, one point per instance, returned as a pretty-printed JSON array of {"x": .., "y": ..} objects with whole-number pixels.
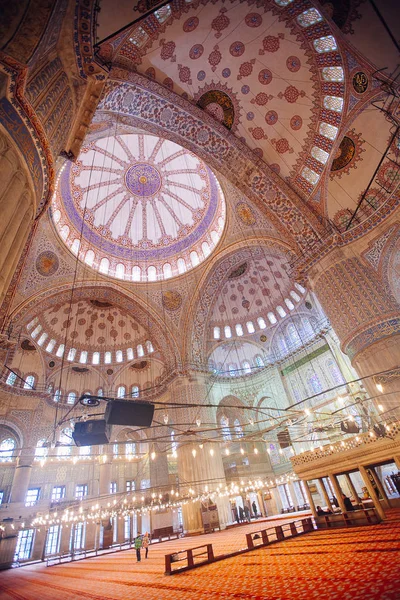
[{"x": 366, "y": 318}]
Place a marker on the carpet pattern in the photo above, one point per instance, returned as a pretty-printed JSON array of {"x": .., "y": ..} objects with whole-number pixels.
[{"x": 347, "y": 564}]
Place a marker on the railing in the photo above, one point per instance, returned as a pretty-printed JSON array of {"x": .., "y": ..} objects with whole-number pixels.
[
  {"x": 263, "y": 537},
  {"x": 392, "y": 430},
  {"x": 190, "y": 558},
  {"x": 184, "y": 560}
]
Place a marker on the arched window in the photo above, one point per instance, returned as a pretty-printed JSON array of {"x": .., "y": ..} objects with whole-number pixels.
[
  {"x": 29, "y": 383},
  {"x": 181, "y": 266},
  {"x": 152, "y": 273},
  {"x": 140, "y": 350},
  {"x": 71, "y": 354},
  {"x": 334, "y": 372},
  {"x": 261, "y": 323},
  {"x": 246, "y": 367},
  {"x": 215, "y": 237},
  {"x": 85, "y": 450},
  {"x": 65, "y": 442},
  {"x": 289, "y": 304},
  {"x": 7, "y": 448},
  {"x": 64, "y": 232},
  {"x": 206, "y": 249},
  {"x": 293, "y": 335},
  {"x": 121, "y": 392},
  {"x": 96, "y": 358},
  {"x": 129, "y": 353},
  {"x": 50, "y": 345},
  {"x": 149, "y": 347},
  {"x": 238, "y": 428},
  {"x": 119, "y": 356},
  {"x": 36, "y": 331},
  {"x": 226, "y": 432},
  {"x": 227, "y": 331},
  {"x": 60, "y": 351},
  {"x": 71, "y": 398},
  {"x": 115, "y": 449},
  {"x": 100, "y": 392},
  {"x": 32, "y": 323},
  {"x": 83, "y": 357},
  {"x": 271, "y": 318},
  {"x": 250, "y": 326},
  {"x": 307, "y": 327},
  {"x": 56, "y": 216},
  {"x": 89, "y": 258},
  {"x": 194, "y": 258},
  {"x": 11, "y": 378},
  {"x": 314, "y": 383},
  {"x": 280, "y": 341},
  {"x": 75, "y": 246},
  {"x": 259, "y": 361},
  {"x": 295, "y": 296},
  {"x": 104, "y": 265},
  {"x": 107, "y": 358},
  {"x": 167, "y": 271},
  {"x": 216, "y": 333},
  {"x": 120, "y": 271},
  {"x": 281, "y": 312},
  {"x": 239, "y": 329},
  {"x": 41, "y": 449},
  {"x": 130, "y": 449},
  {"x": 299, "y": 287},
  {"x": 135, "y": 391},
  {"x": 57, "y": 396},
  {"x": 136, "y": 273},
  {"x": 232, "y": 369},
  {"x": 42, "y": 339}
]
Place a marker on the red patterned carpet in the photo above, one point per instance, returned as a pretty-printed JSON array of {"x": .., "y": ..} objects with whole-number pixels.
[{"x": 346, "y": 564}]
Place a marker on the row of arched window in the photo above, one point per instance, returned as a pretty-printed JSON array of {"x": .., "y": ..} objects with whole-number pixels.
[
  {"x": 26, "y": 383},
  {"x": 83, "y": 356},
  {"x": 121, "y": 392},
  {"x": 236, "y": 370},
  {"x": 239, "y": 329},
  {"x": 293, "y": 335},
  {"x": 227, "y": 430}
]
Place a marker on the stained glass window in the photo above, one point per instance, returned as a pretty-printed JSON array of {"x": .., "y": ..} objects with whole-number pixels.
[
  {"x": 319, "y": 154},
  {"x": 250, "y": 327},
  {"x": 333, "y": 103},
  {"x": 271, "y": 318},
  {"x": 333, "y": 74},
  {"x": 246, "y": 367},
  {"x": 310, "y": 175},
  {"x": 7, "y": 448},
  {"x": 239, "y": 329},
  {"x": 281, "y": 311},
  {"x": 11, "y": 378},
  {"x": 226, "y": 432},
  {"x": 334, "y": 372},
  {"x": 325, "y": 44},
  {"x": 289, "y": 304},
  {"x": 261, "y": 323},
  {"x": 71, "y": 398},
  {"x": 314, "y": 383},
  {"x": 309, "y": 17}
]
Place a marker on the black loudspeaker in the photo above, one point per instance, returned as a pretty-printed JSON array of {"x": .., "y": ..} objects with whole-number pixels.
[
  {"x": 284, "y": 438},
  {"x": 129, "y": 412},
  {"x": 91, "y": 433}
]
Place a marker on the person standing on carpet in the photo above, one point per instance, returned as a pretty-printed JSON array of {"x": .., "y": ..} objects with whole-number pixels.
[
  {"x": 145, "y": 543},
  {"x": 138, "y": 545}
]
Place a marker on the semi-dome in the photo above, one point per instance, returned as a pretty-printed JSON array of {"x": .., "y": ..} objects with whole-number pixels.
[{"x": 139, "y": 207}]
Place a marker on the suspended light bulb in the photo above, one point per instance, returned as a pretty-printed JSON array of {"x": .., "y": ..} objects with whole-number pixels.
[
  {"x": 255, "y": 450},
  {"x": 174, "y": 454},
  {"x": 153, "y": 455},
  {"x": 350, "y": 418},
  {"x": 307, "y": 411},
  {"x": 201, "y": 446},
  {"x": 212, "y": 451},
  {"x": 194, "y": 453},
  {"x": 251, "y": 421},
  {"x": 380, "y": 406},
  {"x": 198, "y": 422},
  {"x": 280, "y": 451},
  {"x": 227, "y": 451},
  {"x": 241, "y": 451},
  {"x": 166, "y": 419},
  {"x": 379, "y": 387}
]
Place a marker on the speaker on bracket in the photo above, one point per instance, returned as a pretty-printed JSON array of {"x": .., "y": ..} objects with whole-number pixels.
[
  {"x": 91, "y": 433},
  {"x": 349, "y": 427},
  {"x": 129, "y": 412}
]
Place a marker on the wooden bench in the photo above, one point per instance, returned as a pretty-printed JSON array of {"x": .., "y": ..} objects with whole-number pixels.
[{"x": 366, "y": 516}]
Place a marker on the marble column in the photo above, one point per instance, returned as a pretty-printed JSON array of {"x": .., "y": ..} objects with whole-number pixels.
[
  {"x": 338, "y": 491},
  {"x": 325, "y": 494},
  {"x": 385, "y": 500},
  {"x": 352, "y": 488},
  {"x": 159, "y": 480},
  {"x": 22, "y": 476},
  {"x": 105, "y": 473},
  {"x": 365, "y": 316},
  {"x": 371, "y": 490}
]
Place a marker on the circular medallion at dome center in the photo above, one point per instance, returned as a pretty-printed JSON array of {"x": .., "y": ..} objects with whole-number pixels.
[{"x": 143, "y": 180}]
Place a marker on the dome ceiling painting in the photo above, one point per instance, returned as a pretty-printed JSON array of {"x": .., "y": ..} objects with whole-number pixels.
[
  {"x": 138, "y": 207},
  {"x": 89, "y": 331},
  {"x": 271, "y": 74},
  {"x": 257, "y": 293}
]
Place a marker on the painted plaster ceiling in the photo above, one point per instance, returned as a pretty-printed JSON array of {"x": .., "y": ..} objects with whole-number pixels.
[
  {"x": 89, "y": 326},
  {"x": 255, "y": 289},
  {"x": 139, "y": 207},
  {"x": 263, "y": 71}
]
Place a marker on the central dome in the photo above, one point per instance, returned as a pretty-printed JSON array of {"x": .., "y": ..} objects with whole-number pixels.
[{"x": 139, "y": 207}]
